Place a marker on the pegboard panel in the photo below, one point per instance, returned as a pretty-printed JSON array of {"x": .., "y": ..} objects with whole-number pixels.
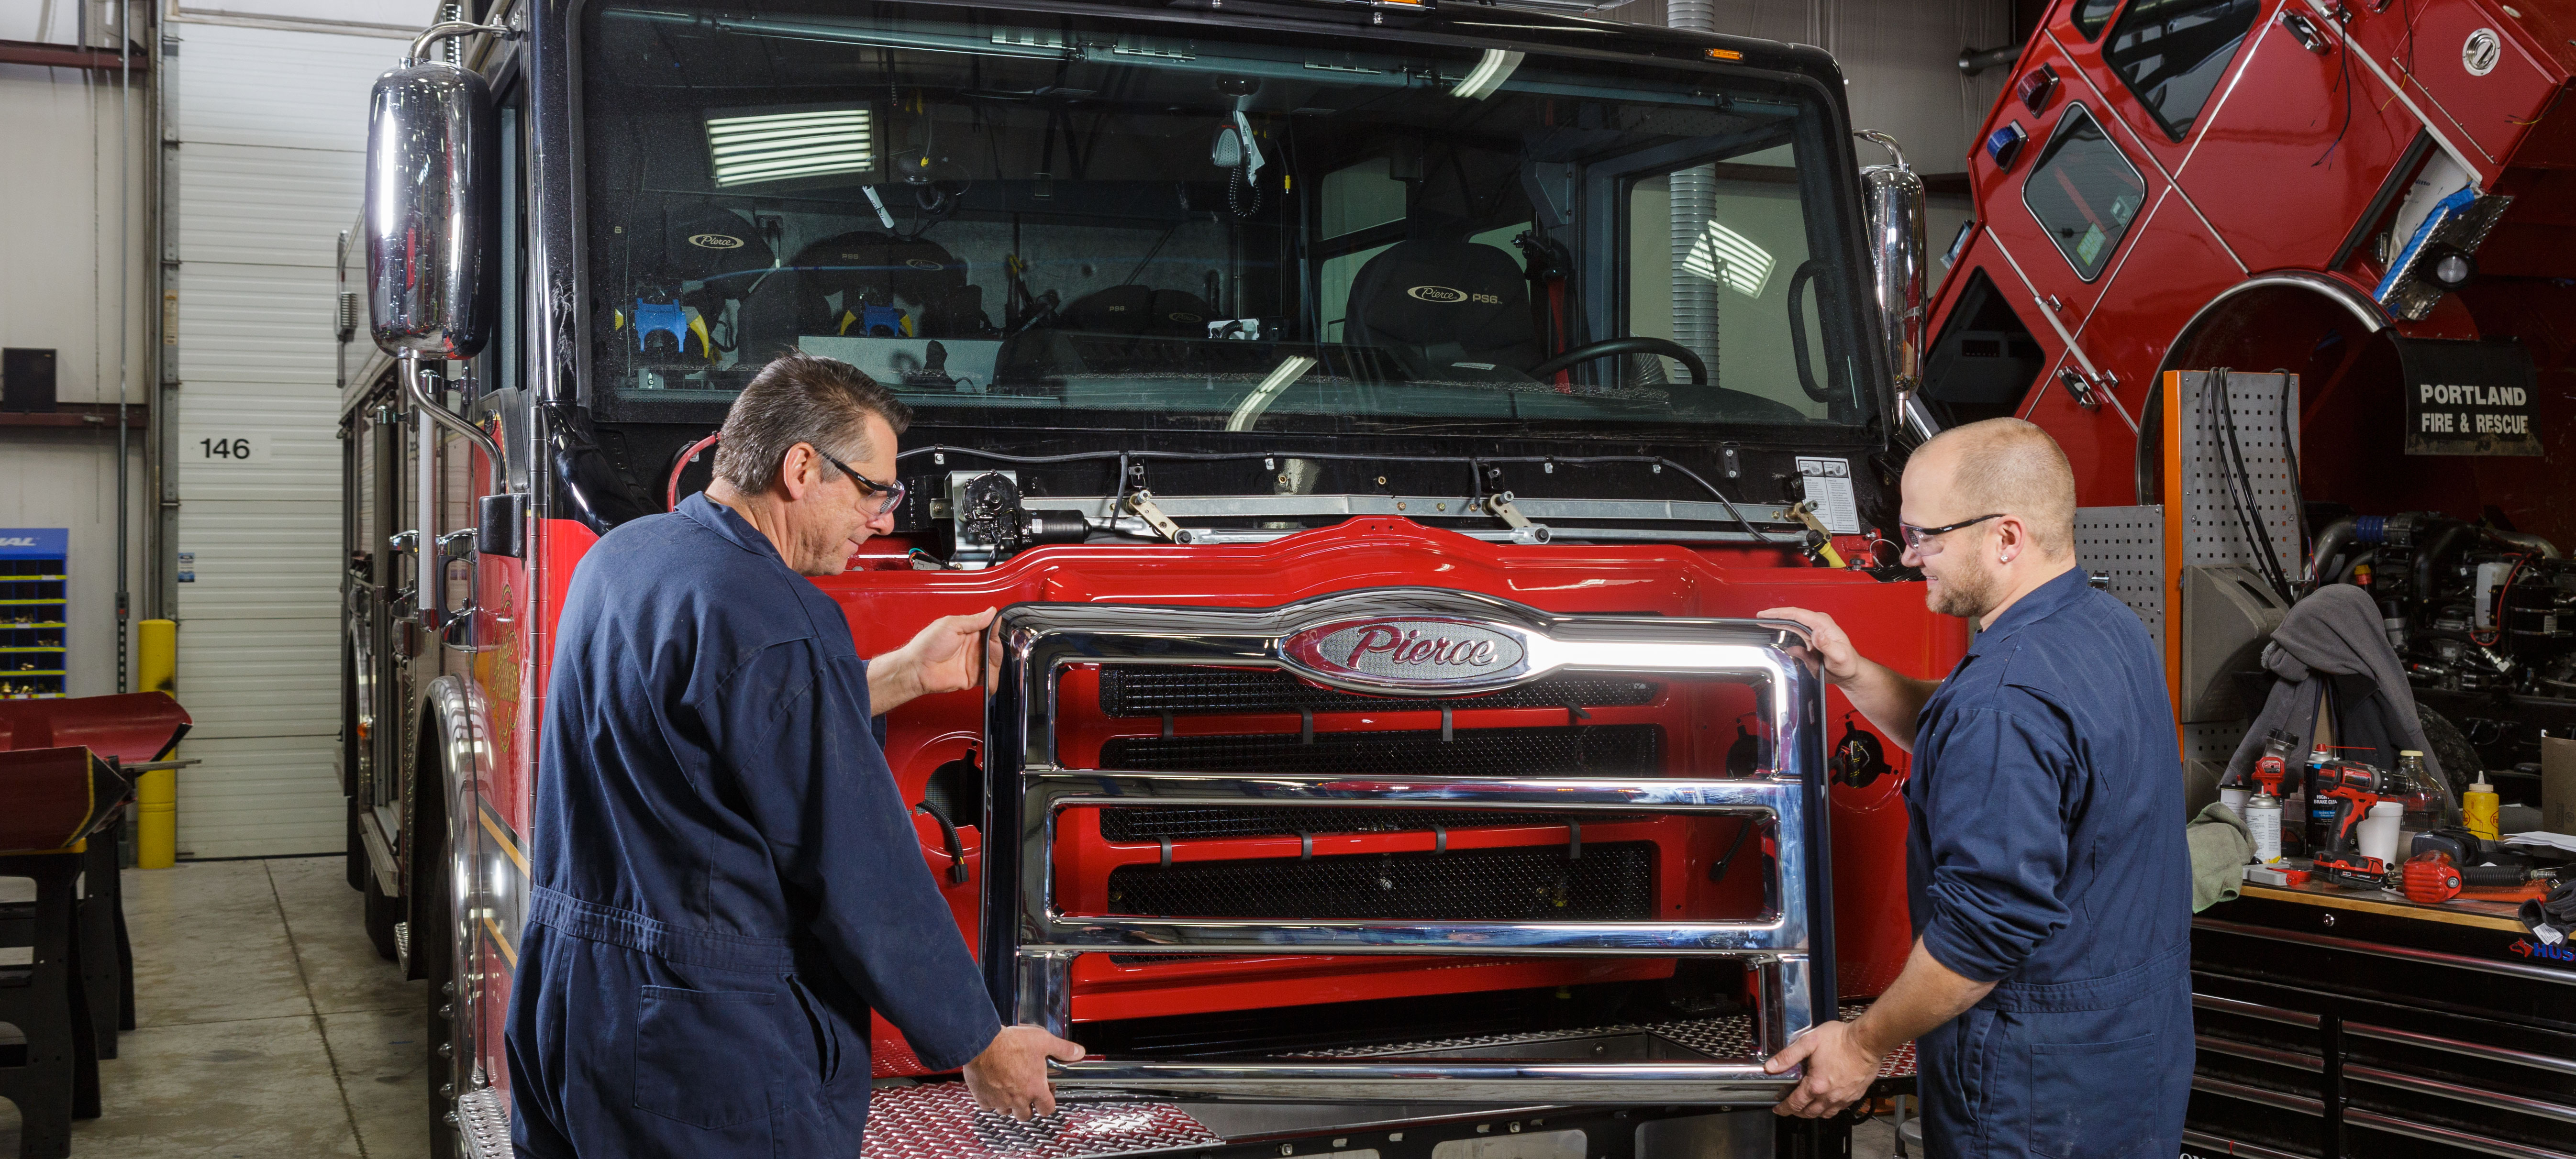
[
  {"x": 2212, "y": 531},
  {"x": 2127, "y": 544},
  {"x": 2214, "y": 742}
]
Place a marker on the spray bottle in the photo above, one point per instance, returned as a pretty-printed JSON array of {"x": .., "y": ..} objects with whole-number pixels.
[{"x": 2263, "y": 818}]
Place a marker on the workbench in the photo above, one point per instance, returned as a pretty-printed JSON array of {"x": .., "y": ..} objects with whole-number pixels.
[{"x": 2342, "y": 1021}]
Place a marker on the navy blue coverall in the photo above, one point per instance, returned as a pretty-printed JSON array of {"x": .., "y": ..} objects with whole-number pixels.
[
  {"x": 2046, "y": 854},
  {"x": 725, "y": 879}
]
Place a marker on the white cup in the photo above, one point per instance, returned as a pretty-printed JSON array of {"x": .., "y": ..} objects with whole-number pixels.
[{"x": 2379, "y": 831}]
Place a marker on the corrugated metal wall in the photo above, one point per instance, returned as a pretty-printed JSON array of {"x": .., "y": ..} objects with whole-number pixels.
[{"x": 272, "y": 131}]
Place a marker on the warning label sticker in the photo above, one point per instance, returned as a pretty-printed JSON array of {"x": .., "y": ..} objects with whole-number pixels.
[{"x": 1829, "y": 484}]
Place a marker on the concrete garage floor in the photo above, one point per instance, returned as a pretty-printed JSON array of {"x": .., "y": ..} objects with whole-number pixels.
[{"x": 265, "y": 1024}]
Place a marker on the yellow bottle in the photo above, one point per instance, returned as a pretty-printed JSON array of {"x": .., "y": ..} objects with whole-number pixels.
[{"x": 2478, "y": 809}]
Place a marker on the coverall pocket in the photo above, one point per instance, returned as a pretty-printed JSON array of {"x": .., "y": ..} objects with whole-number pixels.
[
  {"x": 2085, "y": 1097},
  {"x": 827, "y": 1042},
  {"x": 703, "y": 1056}
]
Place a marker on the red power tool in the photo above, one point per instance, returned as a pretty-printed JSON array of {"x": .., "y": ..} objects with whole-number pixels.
[
  {"x": 2274, "y": 765},
  {"x": 2430, "y": 878},
  {"x": 2354, "y": 787}
]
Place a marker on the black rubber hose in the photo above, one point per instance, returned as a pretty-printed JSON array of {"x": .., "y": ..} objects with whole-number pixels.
[
  {"x": 2290, "y": 454},
  {"x": 1609, "y": 347},
  {"x": 2431, "y": 556},
  {"x": 948, "y": 837},
  {"x": 2331, "y": 542}
]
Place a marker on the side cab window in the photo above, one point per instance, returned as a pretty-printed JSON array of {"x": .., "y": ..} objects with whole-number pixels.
[
  {"x": 2090, "y": 16},
  {"x": 1984, "y": 360},
  {"x": 2171, "y": 54},
  {"x": 2084, "y": 192}
]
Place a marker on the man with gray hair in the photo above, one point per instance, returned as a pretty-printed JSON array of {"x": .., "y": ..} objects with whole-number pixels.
[
  {"x": 2049, "y": 989},
  {"x": 724, "y": 880}
]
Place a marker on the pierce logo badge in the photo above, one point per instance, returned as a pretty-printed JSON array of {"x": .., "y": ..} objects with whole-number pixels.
[
  {"x": 1441, "y": 294},
  {"x": 715, "y": 241},
  {"x": 1408, "y": 651},
  {"x": 923, "y": 264}
]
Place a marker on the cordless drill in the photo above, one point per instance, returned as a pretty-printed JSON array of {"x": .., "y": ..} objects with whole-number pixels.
[{"x": 2354, "y": 787}]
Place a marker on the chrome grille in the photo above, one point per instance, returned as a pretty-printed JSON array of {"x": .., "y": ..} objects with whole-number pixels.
[
  {"x": 1580, "y": 751},
  {"x": 1135, "y": 690}
]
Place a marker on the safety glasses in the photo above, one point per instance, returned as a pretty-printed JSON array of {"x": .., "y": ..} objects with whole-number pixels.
[
  {"x": 1915, "y": 537},
  {"x": 888, "y": 494}
]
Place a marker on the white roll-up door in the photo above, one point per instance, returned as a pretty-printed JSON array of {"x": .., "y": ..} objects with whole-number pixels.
[{"x": 271, "y": 125}]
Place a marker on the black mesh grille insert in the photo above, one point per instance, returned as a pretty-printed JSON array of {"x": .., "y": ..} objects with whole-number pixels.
[
  {"x": 1583, "y": 750},
  {"x": 1201, "y": 824},
  {"x": 1610, "y": 882},
  {"x": 1149, "y": 690}
]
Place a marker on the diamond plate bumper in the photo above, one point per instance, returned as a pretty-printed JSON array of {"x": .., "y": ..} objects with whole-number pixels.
[
  {"x": 939, "y": 1120},
  {"x": 483, "y": 1125}
]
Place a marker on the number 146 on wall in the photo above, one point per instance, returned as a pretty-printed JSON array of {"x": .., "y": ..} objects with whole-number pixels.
[{"x": 226, "y": 448}]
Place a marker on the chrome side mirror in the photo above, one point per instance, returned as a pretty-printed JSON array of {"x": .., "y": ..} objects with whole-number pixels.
[
  {"x": 1892, "y": 197},
  {"x": 433, "y": 204}
]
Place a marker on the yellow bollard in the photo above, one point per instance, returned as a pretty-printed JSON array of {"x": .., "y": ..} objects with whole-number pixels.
[{"x": 156, "y": 793}]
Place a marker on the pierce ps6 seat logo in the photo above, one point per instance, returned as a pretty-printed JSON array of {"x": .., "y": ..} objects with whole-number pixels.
[{"x": 1408, "y": 651}]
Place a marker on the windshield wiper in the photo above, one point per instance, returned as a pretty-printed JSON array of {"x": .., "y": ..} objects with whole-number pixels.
[{"x": 1477, "y": 501}]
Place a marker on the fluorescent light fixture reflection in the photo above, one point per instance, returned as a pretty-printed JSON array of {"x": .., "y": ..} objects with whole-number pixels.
[
  {"x": 1488, "y": 75},
  {"x": 1248, "y": 411},
  {"x": 1722, "y": 255},
  {"x": 783, "y": 146}
]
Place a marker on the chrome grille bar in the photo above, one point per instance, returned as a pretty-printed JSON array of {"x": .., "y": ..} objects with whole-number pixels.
[{"x": 1029, "y": 944}]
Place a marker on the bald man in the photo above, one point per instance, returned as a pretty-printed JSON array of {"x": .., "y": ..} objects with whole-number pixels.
[{"x": 2048, "y": 991}]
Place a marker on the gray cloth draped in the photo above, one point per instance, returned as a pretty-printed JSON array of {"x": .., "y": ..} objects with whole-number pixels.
[{"x": 2335, "y": 631}]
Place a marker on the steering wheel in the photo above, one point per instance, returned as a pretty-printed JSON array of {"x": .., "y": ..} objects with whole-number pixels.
[{"x": 1614, "y": 346}]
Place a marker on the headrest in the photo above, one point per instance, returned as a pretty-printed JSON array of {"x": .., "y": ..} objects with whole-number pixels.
[
  {"x": 705, "y": 243},
  {"x": 1443, "y": 293}
]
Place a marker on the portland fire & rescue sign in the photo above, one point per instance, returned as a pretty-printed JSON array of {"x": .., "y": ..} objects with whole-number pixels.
[{"x": 2469, "y": 398}]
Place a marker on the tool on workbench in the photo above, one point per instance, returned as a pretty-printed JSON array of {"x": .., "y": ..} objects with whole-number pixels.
[
  {"x": 2430, "y": 878},
  {"x": 2352, "y": 787},
  {"x": 2482, "y": 862},
  {"x": 2318, "y": 815}
]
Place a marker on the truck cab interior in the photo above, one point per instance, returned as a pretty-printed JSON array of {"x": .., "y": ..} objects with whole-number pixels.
[{"x": 1097, "y": 224}]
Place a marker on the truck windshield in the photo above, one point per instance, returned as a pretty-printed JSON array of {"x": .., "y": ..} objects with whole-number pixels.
[{"x": 1044, "y": 219}]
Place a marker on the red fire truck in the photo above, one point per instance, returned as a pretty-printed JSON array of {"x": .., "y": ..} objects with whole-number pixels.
[
  {"x": 2372, "y": 196},
  {"x": 2369, "y": 196},
  {"x": 1377, "y": 419}
]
